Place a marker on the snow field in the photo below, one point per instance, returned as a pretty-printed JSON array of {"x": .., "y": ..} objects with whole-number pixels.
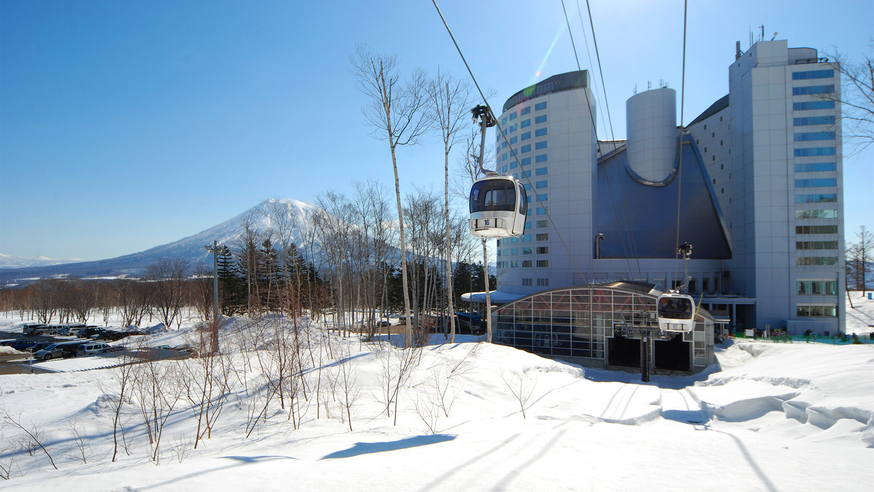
[{"x": 768, "y": 417}]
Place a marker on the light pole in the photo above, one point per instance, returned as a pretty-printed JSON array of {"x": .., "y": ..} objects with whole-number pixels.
[{"x": 214, "y": 249}]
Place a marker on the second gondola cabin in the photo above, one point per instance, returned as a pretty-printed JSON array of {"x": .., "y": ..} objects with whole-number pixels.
[
  {"x": 498, "y": 205},
  {"x": 676, "y": 312}
]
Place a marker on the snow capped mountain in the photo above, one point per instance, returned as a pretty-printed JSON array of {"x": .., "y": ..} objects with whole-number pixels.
[
  {"x": 265, "y": 217},
  {"x": 7, "y": 261}
]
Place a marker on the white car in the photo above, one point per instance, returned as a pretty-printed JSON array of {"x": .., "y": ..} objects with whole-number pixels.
[{"x": 91, "y": 348}]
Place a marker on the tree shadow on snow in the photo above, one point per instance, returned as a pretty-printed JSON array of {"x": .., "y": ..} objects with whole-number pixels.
[{"x": 380, "y": 447}]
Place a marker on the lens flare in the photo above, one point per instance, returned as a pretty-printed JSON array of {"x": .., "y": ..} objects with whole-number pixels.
[{"x": 558, "y": 34}]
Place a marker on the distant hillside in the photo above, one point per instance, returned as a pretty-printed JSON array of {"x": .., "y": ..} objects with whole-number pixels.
[
  {"x": 229, "y": 233},
  {"x": 7, "y": 261}
]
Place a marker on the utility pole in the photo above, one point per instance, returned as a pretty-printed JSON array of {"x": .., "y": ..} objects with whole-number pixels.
[{"x": 214, "y": 249}]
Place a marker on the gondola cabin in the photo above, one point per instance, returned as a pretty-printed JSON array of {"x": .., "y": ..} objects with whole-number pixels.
[
  {"x": 676, "y": 312},
  {"x": 498, "y": 205}
]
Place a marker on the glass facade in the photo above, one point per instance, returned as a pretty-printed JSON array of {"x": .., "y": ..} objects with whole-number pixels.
[{"x": 582, "y": 322}]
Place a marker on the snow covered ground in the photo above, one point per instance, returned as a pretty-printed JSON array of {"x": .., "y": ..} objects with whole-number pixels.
[{"x": 769, "y": 416}]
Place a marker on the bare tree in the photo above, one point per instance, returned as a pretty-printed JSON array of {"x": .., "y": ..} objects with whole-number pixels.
[
  {"x": 521, "y": 386},
  {"x": 46, "y": 299},
  {"x": 397, "y": 114},
  {"x": 131, "y": 299},
  {"x": 450, "y": 100},
  {"x": 859, "y": 260},
  {"x": 33, "y": 436},
  {"x": 118, "y": 392},
  {"x": 167, "y": 279},
  {"x": 856, "y": 97},
  {"x": 158, "y": 389}
]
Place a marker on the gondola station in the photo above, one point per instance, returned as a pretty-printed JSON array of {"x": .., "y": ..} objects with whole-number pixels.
[{"x": 605, "y": 218}]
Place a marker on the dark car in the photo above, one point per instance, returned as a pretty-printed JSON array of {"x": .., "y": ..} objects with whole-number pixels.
[
  {"x": 89, "y": 331},
  {"x": 23, "y": 344},
  {"x": 110, "y": 335}
]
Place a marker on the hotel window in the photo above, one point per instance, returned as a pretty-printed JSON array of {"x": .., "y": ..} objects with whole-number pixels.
[
  {"x": 526, "y": 135},
  {"x": 525, "y": 123},
  {"x": 815, "y": 151},
  {"x": 542, "y": 263},
  {"x": 816, "y": 287},
  {"x": 815, "y": 183},
  {"x": 513, "y": 140},
  {"x": 809, "y": 105},
  {"x": 512, "y": 128},
  {"x": 816, "y": 261},
  {"x": 525, "y": 111},
  {"x": 542, "y": 223},
  {"x": 543, "y": 282},
  {"x": 512, "y": 116},
  {"x": 527, "y": 263},
  {"x": 543, "y": 197},
  {"x": 526, "y": 161},
  {"x": 826, "y": 311},
  {"x": 539, "y": 106},
  {"x": 543, "y": 250},
  {"x": 540, "y": 158},
  {"x": 540, "y": 132},
  {"x": 817, "y": 198},
  {"x": 812, "y": 89},
  {"x": 526, "y": 148},
  {"x": 540, "y": 184},
  {"x": 816, "y": 167},
  {"x": 816, "y": 229},
  {"x": 814, "y": 120},
  {"x": 813, "y": 136},
  {"x": 526, "y": 251},
  {"x": 543, "y": 237},
  {"x": 813, "y": 74},
  {"x": 526, "y": 282},
  {"x": 540, "y": 145},
  {"x": 818, "y": 245},
  {"x": 514, "y": 264},
  {"x": 526, "y": 238},
  {"x": 816, "y": 214},
  {"x": 513, "y": 165},
  {"x": 540, "y": 119},
  {"x": 541, "y": 210},
  {"x": 540, "y": 171}
]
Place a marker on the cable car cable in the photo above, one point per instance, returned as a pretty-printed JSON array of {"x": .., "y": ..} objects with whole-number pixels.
[
  {"x": 622, "y": 238},
  {"x": 682, "y": 134},
  {"x": 504, "y": 136}
]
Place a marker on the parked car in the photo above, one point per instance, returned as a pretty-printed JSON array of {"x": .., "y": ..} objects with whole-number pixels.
[
  {"x": 32, "y": 329},
  {"x": 109, "y": 335},
  {"x": 89, "y": 331},
  {"x": 91, "y": 348},
  {"x": 58, "y": 350},
  {"x": 71, "y": 329},
  {"x": 23, "y": 344}
]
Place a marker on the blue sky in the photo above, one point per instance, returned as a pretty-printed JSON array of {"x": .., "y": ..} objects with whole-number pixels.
[{"x": 127, "y": 125}]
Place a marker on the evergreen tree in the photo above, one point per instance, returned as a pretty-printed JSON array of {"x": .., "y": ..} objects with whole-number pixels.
[{"x": 232, "y": 286}]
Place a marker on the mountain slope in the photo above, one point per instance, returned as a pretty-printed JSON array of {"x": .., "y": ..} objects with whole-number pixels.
[
  {"x": 263, "y": 217},
  {"x": 7, "y": 261}
]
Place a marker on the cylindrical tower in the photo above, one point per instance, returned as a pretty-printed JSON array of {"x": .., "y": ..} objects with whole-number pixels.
[{"x": 651, "y": 123}]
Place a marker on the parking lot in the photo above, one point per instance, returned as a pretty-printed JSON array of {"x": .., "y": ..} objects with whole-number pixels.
[{"x": 89, "y": 353}]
